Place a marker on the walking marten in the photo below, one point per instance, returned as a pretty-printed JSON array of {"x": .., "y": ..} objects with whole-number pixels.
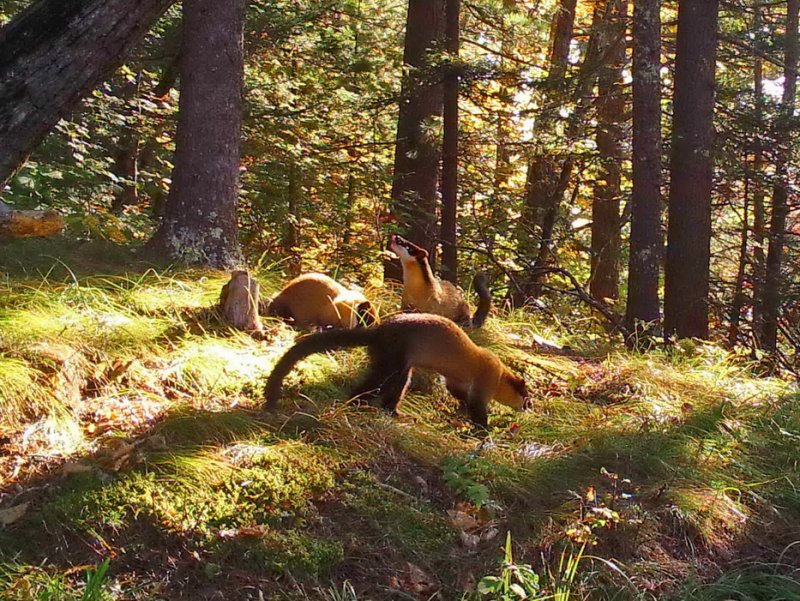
[{"x": 473, "y": 375}]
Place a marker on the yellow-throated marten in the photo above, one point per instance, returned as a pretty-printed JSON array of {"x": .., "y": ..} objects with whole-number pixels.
[
  {"x": 406, "y": 341},
  {"x": 315, "y": 300},
  {"x": 422, "y": 291}
]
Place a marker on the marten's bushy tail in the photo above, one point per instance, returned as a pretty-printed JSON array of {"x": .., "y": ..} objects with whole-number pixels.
[
  {"x": 318, "y": 342},
  {"x": 484, "y": 300}
]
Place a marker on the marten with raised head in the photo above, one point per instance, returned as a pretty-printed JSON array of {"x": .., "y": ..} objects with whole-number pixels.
[
  {"x": 407, "y": 341},
  {"x": 315, "y": 300},
  {"x": 422, "y": 291}
]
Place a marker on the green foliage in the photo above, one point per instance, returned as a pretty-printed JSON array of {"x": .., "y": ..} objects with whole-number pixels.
[
  {"x": 458, "y": 473},
  {"x": 519, "y": 581},
  {"x": 515, "y": 582},
  {"x": 34, "y": 583}
]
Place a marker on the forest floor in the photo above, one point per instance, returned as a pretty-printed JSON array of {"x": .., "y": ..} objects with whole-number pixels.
[{"x": 135, "y": 461}]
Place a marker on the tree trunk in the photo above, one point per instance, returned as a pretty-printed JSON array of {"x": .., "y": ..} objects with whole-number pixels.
[
  {"x": 543, "y": 181},
  {"x": 738, "y": 290},
  {"x": 604, "y": 280},
  {"x": 199, "y": 224},
  {"x": 291, "y": 230},
  {"x": 549, "y": 176},
  {"x": 502, "y": 163},
  {"x": 53, "y": 54},
  {"x": 645, "y": 238},
  {"x": 417, "y": 149},
  {"x": 691, "y": 172},
  {"x": 759, "y": 214},
  {"x": 126, "y": 154},
  {"x": 780, "y": 192},
  {"x": 449, "y": 269}
]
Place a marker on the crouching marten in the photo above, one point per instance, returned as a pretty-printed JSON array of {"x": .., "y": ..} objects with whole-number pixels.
[
  {"x": 406, "y": 341},
  {"x": 422, "y": 291},
  {"x": 315, "y": 300}
]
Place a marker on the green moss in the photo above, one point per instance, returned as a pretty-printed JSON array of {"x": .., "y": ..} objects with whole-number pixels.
[
  {"x": 302, "y": 555},
  {"x": 199, "y": 491},
  {"x": 415, "y": 527}
]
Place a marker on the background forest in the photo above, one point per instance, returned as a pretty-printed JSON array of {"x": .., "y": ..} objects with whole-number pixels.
[{"x": 625, "y": 174}]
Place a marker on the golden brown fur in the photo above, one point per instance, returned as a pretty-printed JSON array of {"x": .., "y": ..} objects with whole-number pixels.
[
  {"x": 315, "y": 300},
  {"x": 422, "y": 291},
  {"x": 403, "y": 342}
]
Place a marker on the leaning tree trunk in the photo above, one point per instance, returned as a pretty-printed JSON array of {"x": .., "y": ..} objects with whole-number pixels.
[
  {"x": 52, "y": 55},
  {"x": 645, "y": 238},
  {"x": 604, "y": 280},
  {"x": 416, "y": 159},
  {"x": 449, "y": 186},
  {"x": 780, "y": 193},
  {"x": 691, "y": 172},
  {"x": 199, "y": 224}
]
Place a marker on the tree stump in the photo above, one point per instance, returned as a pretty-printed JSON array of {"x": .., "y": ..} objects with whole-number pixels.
[
  {"x": 25, "y": 224},
  {"x": 239, "y": 302}
]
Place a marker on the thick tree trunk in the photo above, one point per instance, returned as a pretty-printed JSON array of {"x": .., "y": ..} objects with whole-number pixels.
[
  {"x": 449, "y": 269},
  {"x": 604, "y": 280},
  {"x": 52, "y": 55},
  {"x": 417, "y": 151},
  {"x": 199, "y": 224},
  {"x": 780, "y": 192},
  {"x": 691, "y": 172},
  {"x": 645, "y": 238}
]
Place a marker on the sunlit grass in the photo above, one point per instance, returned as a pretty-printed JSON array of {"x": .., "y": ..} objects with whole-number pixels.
[{"x": 684, "y": 445}]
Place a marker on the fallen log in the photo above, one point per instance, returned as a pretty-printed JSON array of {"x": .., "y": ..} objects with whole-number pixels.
[{"x": 17, "y": 223}]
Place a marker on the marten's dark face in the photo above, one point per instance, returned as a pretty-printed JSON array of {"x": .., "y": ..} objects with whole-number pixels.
[
  {"x": 515, "y": 393},
  {"x": 521, "y": 388},
  {"x": 407, "y": 251}
]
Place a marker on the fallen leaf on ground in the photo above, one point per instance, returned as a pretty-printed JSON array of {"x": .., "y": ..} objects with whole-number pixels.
[{"x": 462, "y": 520}]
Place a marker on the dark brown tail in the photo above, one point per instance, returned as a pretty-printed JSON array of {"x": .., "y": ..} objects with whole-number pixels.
[
  {"x": 319, "y": 342},
  {"x": 484, "y": 300}
]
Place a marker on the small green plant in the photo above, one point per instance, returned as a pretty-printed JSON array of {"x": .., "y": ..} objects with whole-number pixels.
[
  {"x": 516, "y": 581},
  {"x": 520, "y": 581},
  {"x": 458, "y": 473},
  {"x": 345, "y": 592},
  {"x": 95, "y": 590}
]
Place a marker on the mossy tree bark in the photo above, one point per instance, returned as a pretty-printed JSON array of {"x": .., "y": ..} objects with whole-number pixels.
[{"x": 199, "y": 224}]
